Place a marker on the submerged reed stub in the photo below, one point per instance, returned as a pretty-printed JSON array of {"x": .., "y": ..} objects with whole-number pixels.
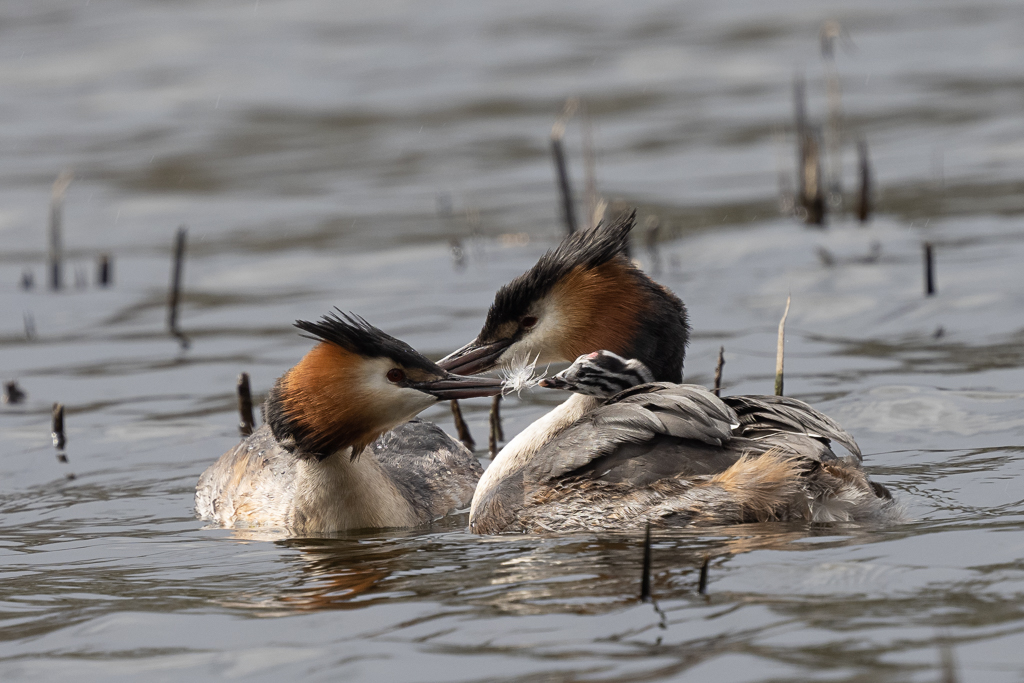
[
  {"x": 104, "y": 270},
  {"x": 57, "y": 431},
  {"x": 929, "y": 269},
  {"x": 174, "y": 297},
  {"x": 864, "y": 195},
  {"x": 702, "y": 584}
]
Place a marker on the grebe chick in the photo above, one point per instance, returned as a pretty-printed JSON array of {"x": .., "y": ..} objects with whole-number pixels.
[
  {"x": 307, "y": 469},
  {"x": 676, "y": 455}
]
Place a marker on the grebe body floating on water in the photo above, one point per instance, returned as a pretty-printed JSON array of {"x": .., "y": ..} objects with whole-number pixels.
[
  {"x": 676, "y": 455},
  {"x": 630, "y": 461},
  {"x": 308, "y": 468}
]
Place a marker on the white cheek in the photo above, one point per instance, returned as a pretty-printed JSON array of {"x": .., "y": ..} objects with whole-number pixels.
[
  {"x": 541, "y": 344},
  {"x": 393, "y": 403}
]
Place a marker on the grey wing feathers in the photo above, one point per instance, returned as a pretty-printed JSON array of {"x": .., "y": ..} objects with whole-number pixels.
[
  {"x": 760, "y": 415},
  {"x": 681, "y": 411}
]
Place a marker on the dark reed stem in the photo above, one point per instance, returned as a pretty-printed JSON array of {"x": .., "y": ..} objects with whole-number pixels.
[
  {"x": 496, "y": 433},
  {"x": 718, "y": 371},
  {"x": 56, "y": 254},
  {"x": 645, "y": 577},
  {"x": 864, "y": 203},
  {"x": 780, "y": 350},
  {"x": 561, "y": 168},
  {"x": 175, "y": 294},
  {"x": 929, "y": 269},
  {"x": 57, "y": 432},
  {"x": 702, "y": 584},
  {"x": 568, "y": 212},
  {"x": 461, "y": 427},
  {"x": 246, "y": 421},
  {"x": 105, "y": 270}
]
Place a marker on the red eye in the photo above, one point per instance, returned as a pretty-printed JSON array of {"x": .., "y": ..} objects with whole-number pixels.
[
  {"x": 395, "y": 375},
  {"x": 528, "y": 322}
]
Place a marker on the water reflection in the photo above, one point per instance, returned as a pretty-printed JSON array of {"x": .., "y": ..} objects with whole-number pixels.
[{"x": 523, "y": 575}]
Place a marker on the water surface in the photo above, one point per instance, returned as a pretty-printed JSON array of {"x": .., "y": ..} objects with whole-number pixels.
[{"x": 324, "y": 156}]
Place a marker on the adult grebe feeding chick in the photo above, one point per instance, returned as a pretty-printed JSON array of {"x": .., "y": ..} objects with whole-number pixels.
[
  {"x": 307, "y": 469},
  {"x": 642, "y": 449}
]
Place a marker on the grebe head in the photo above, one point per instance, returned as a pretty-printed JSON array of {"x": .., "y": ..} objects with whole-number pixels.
[
  {"x": 601, "y": 373},
  {"x": 583, "y": 296},
  {"x": 356, "y": 384}
]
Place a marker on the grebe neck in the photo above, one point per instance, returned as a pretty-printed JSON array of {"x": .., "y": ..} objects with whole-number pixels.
[{"x": 517, "y": 453}]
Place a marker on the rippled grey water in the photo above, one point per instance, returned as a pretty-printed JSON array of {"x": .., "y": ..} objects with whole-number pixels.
[{"x": 313, "y": 149}]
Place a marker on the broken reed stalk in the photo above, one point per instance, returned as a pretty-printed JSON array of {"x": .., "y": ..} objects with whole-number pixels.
[
  {"x": 56, "y": 254},
  {"x": 246, "y": 420},
  {"x": 702, "y": 584},
  {"x": 645, "y": 578},
  {"x": 105, "y": 270},
  {"x": 780, "y": 350},
  {"x": 57, "y": 431},
  {"x": 495, "y": 433},
  {"x": 929, "y": 270},
  {"x": 864, "y": 164},
  {"x": 561, "y": 168},
  {"x": 461, "y": 428},
  {"x": 718, "y": 371},
  {"x": 175, "y": 294}
]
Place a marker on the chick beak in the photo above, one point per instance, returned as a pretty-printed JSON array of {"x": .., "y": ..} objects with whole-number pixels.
[
  {"x": 475, "y": 357},
  {"x": 456, "y": 386},
  {"x": 555, "y": 382}
]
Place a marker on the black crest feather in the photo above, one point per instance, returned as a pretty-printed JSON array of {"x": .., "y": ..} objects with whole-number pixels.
[
  {"x": 353, "y": 333},
  {"x": 587, "y": 248}
]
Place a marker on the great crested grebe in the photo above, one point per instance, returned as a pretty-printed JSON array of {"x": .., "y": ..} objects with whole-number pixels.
[
  {"x": 586, "y": 296},
  {"x": 307, "y": 469},
  {"x": 675, "y": 454}
]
